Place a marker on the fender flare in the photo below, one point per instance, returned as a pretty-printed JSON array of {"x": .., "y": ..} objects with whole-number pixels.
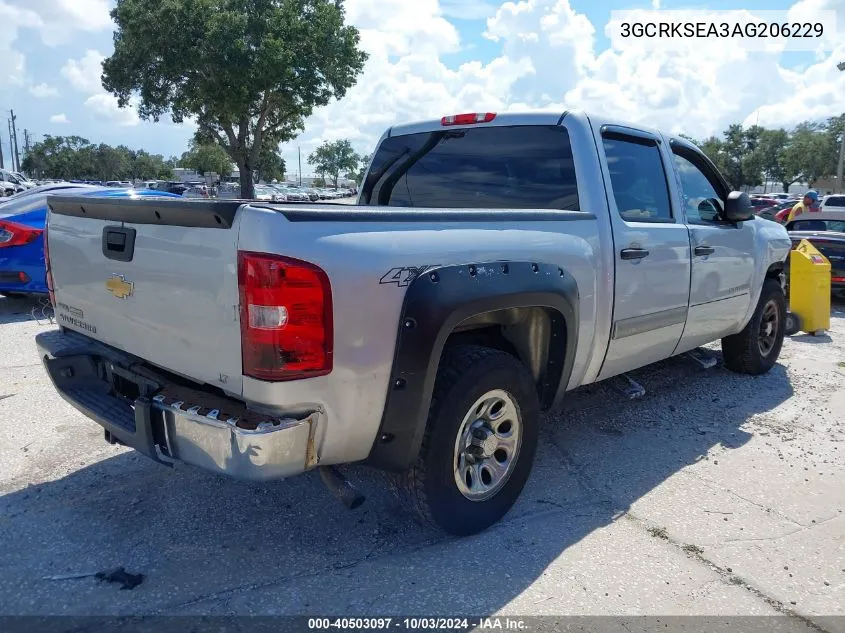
[{"x": 436, "y": 301}]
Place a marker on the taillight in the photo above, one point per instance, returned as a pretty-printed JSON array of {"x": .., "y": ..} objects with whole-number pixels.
[
  {"x": 12, "y": 234},
  {"x": 468, "y": 119},
  {"x": 286, "y": 317},
  {"x": 838, "y": 280},
  {"x": 50, "y": 288}
]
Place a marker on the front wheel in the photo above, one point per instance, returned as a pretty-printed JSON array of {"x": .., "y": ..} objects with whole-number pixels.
[
  {"x": 756, "y": 348},
  {"x": 479, "y": 443}
]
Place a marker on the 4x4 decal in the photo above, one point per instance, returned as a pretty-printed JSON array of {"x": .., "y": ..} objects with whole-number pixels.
[{"x": 402, "y": 276}]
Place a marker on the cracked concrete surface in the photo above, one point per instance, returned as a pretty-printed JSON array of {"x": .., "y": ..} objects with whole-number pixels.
[{"x": 716, "y": 494}]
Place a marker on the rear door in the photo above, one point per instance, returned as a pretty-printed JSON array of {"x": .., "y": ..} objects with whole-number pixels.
[
  {"x": 156, "y": 278},
  {"x": 722, "y": 252},
  {"x": 652, "y": 251}
]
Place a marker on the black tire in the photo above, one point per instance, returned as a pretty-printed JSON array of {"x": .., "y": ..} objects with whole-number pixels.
[
  {"x": 466, "y": 374},
  {"x": 793, "y": 324},
  {"x": 746, "y": 352}
]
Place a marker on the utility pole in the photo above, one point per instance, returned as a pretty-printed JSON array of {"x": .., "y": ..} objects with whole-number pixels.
[
  {"x": 11, "y": 147},
  {"x": 841, "y": 66},
  {"x": 299, "y": 155},
  {"x": 2, "y": 166},
  {"x": 26, "y": 141},
  {"x": 15, "y": 134}
]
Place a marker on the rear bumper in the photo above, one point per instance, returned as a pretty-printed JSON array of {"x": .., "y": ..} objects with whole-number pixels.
[
  {"x": 27, "y": 259},
  {"x": 173, "y": 423}
]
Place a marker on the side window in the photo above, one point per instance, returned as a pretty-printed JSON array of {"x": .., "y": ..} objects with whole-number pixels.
[
  {"x": 702, "y": 203},
  {"x": 638, "y": 179}
]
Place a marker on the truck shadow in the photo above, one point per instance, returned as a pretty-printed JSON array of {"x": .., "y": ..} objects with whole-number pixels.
[{"x": 209, "y": 545}]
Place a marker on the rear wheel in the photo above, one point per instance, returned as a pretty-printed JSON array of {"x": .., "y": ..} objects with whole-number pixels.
[
  {"x": 479, "y": 443},
  {"x": 756, "y": 348}
]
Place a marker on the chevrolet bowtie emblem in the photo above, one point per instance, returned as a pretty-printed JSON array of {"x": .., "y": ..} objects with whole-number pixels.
[{"x": 119, "y": 287}]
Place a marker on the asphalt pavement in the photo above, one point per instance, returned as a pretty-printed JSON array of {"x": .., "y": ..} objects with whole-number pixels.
[{"x": 716, "y": 494}]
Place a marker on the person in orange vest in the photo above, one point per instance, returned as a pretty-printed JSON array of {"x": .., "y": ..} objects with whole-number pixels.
[{"x": 807, "y": 204}]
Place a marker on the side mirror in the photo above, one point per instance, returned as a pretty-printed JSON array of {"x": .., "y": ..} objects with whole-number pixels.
[{"x": 738, "y": 207}]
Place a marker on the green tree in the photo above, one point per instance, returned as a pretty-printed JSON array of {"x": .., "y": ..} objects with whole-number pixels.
[
  {"x": 357, "y": 174},
  {"x": 714, "y": 149},
  {"x": 772, "y": 145},
  {"x": 808, "y": 155},
  {"x": 207, "y": 157},
  {"x": 247, "y": 70},
  {"x": 333, "y": 158},
  {"x": 72, "y": 157},
  {"x": 150, "y": 166},
  {"x": 271, "y": 165}
]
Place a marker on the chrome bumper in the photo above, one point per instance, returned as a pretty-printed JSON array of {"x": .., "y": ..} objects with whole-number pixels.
[
  {"x": 267, "y": 452},
  {"x": 92, "y": 377}
]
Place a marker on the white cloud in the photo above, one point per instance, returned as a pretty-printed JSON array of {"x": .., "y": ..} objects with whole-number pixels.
[
  {"x": 104, "y": 107},
  {"x": 43, "y": 91},
  {"x": 59, "y": 118},
  {"x": 84, "y": 74},
  {"x": 547, "y": 58},
  {"x": 60, "y": 20},
  {"x": 12, "y": 18}
]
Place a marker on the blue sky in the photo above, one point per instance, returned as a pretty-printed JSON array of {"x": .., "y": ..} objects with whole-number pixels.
[{"x": 435, "y": 57}]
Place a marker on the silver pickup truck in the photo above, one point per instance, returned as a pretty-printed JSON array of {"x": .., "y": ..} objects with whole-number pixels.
[{"x": 492, "y": 263}]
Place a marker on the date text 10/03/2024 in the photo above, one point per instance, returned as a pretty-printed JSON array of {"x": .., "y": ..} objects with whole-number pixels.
[{"x": 419, "y": 624}]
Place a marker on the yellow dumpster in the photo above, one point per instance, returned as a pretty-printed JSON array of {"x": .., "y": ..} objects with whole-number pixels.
[{"x": 809, "y": 287}]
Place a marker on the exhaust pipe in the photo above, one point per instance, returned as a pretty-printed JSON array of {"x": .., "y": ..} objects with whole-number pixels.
[{"x": 339, "y": 485}]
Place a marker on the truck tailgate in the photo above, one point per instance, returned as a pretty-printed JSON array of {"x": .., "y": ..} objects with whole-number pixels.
[{"x": 156, "y": 278}]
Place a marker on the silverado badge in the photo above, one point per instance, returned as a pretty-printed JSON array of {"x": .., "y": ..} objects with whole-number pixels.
[{"x": 119, "y": 287}]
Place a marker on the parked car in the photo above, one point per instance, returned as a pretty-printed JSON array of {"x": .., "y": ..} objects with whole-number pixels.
[
  {"x": 28, "y": 183},
  {"x": 9, "y": 184},
  {"x": 196, "y": 192},
  {"x": 22, "y": 220},
  {"x": 266, "y": 192},
  {"x": 759, "y": 203},
  {"x": 422, "y": 331},
  {"x": 53, "y": 186},
  {"x": 825, "y": 231},
  {"x": 290, "y": 194},
  {"x": 771, "y": 213},
  {"x": 833, "y": 202}
]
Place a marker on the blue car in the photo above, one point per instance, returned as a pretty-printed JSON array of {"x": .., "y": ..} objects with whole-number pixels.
[{"x": 22, "y": 220}]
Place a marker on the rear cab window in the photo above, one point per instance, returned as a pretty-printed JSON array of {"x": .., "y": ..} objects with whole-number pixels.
[{"x": 496, "y": 167}]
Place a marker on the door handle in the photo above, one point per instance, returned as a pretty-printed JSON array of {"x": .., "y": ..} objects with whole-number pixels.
[
  {"x": 703, "y": 250},
  {"x": 633, "y": 253}
]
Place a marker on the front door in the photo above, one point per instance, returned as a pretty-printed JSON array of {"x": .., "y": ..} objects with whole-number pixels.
[
  {"x": 652, "y": 251},
  {"x": 722, "y": 253}
]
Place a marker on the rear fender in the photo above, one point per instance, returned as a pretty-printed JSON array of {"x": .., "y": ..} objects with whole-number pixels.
[{"x": 440, "y": 299}]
